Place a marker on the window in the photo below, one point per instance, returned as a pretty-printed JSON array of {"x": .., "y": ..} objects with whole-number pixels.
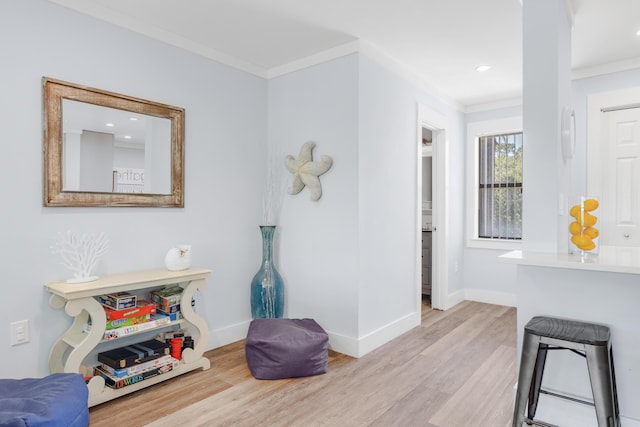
[
  {"x": 500, "y": 186},
  {"x": 494, "y": 184}
]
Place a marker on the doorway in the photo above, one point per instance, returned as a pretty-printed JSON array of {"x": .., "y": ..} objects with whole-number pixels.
[
  {"x": 613, "y": 162},
  {"x": 427, "y": 214},
  {"x": 434, "y": 124}
]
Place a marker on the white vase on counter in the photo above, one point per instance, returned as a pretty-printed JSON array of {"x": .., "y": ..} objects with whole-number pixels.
[{"x": 178, "y": 258}]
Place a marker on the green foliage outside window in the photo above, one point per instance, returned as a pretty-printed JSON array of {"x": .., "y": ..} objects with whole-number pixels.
[{"x": 500, "y": 204}]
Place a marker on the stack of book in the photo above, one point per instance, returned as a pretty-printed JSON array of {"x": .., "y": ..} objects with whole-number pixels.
[
  {"x": 131, "y": 364},
  {"x": 125, "y": 315}
]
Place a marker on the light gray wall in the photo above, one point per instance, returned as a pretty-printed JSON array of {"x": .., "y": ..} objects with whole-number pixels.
[
  {"x": 226, "y": 128},
  {"x": 486, "y": 279},
  {"x": 349, "y": 259},
  {"x": 318, "y": 252},
  {"x": 388, "y": 195}
]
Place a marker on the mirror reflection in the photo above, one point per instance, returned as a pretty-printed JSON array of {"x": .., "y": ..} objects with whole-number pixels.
[
  {"x": 114, "y": 151},
  {"x": 107, "y": 149}
]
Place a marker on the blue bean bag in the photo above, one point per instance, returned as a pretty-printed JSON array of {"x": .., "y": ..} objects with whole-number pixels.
[
  {"x": 57, "y": 400},
  {"x": 286, "y": 348}
]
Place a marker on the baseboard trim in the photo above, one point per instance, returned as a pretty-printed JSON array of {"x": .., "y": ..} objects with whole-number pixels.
[
  {"x": 358, "y": 347},
  {"x": 454, "y": 299},
  {"x": 490, "y": 297},
  {"x": 228, "y": 335},
  {"x": 354, "y": 347},
  {"x": 383, "y": 335}
]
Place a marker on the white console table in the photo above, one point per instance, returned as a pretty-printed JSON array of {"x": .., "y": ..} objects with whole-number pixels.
[{"x": 78, "y": 300}]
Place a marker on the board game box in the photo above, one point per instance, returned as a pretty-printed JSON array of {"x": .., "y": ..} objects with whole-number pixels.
[
  {"x": 127, "y": 321},
  {"x": 118, "y": 300},
  {"x": 137, "y": 368},
  {"x": 167, "y": 297},
  {"x": 115, "y": 382},
  {"x": 142, "y": 307},
  {"x": 130, "y": 355},
  {"x": 172, "y": 309}
]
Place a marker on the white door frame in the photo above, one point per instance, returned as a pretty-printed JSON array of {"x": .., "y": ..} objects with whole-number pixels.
[{"x": 439, "y": 125}]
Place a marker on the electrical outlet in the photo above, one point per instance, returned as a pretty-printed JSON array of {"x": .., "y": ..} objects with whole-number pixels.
[{"x": 19, "y": 332}]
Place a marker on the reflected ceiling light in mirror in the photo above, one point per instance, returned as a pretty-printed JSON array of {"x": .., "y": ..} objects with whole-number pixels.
[
  {"x": 109, "y": 125},
  {"x": 133, "y": 119},
  {"x": 483, "y": 68}
]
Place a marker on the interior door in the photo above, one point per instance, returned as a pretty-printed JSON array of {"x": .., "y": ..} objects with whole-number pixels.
[{"x": 620, "y": 199}]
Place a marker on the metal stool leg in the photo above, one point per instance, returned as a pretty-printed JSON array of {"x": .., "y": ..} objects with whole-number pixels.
[
  {"x": 527, "y": 366},
  {"x": 602, "y": 385},
  {"x": 615, "y": 389},
  {"x": 536, "y": 382}
]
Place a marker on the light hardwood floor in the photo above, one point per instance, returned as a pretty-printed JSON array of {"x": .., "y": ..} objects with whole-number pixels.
[{"x": 457, "y": 369}]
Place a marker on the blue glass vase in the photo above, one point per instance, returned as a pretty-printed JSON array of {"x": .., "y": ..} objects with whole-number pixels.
[{"x": 267, "y": 287}]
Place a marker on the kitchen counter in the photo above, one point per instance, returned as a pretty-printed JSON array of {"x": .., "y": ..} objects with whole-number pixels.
[
  {"x": 600, "y": 289},
  {"x": 612, "y": 259}
]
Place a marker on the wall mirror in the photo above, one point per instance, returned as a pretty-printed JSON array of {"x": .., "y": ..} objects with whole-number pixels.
[{"x": 106, "y": 149}]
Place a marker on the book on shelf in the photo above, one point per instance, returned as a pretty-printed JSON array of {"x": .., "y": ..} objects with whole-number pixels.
[
  {"x": 155, "y": 321},
  {"x": 137, "y": 368},
  {"x": 117, "y": 383},
  {"x": 127, "y": 321}
]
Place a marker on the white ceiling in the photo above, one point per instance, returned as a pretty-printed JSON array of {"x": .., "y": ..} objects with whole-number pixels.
[{"x": 440, "y": 41}]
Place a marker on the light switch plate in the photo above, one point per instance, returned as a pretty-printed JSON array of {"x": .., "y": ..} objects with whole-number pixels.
[{"x": 19, "y": 332}]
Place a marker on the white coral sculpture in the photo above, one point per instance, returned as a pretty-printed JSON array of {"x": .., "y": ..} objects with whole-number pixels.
[
  {"x": 306, "y": 172},
  {"x": 80, "y": 254}
]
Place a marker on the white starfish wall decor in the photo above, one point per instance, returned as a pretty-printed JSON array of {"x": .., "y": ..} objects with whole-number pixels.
[{"x": 306, "y": 172}]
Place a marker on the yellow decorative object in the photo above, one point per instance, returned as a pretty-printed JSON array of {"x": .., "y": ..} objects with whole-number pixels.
[
  {"x": 592, "y": 232},
  {"x": 583, "y": 242},
  {"x": 575, "y": 228},
  {"x": 575, "y": 211},
  {"x": 583, "y": 218},
  {"x": 590, "y": 205},
  {"x": 583, "y": 234}
]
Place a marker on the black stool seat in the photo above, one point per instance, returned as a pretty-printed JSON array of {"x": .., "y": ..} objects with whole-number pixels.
[
  {"x": 569, "y": 330},
  {"x": 589, "y": 340}
]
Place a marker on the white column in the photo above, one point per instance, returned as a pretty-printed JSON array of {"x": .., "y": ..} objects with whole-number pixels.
[{"x": 546, "y": 89}]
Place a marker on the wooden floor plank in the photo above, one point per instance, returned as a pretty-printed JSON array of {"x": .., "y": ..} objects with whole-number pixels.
[
  {"x": 460, "y": 358},
  {"x": 486, "y": 389}
]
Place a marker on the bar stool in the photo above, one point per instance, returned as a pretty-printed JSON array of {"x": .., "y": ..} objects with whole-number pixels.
[{"x": 591, "y": 341}]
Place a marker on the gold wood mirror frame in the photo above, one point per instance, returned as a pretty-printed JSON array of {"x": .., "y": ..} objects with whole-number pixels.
[{"x": 57, "y": 93}]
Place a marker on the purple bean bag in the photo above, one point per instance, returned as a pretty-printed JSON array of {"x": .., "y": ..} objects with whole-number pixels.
[
  {"x": 286, "y": 348},
  {"x": 57, "y": 400}
]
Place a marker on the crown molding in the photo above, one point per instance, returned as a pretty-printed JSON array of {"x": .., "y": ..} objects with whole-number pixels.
[
  {"x": 121, "y": 20},
  {"x": 608, "y": 68},
  {"x": 318, "y": 58}
]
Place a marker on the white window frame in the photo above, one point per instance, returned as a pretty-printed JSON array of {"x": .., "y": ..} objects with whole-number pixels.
[{"x": 476, "y": 130}]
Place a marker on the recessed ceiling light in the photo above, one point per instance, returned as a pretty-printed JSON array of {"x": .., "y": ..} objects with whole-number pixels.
[
  {"x": 133, "y": 119},
  {"x": 127, "y": 137},
  {"x": 109, "y": 125},
  {"x": 481, "y": 68},
  {"x": 638, "y": 33}
]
